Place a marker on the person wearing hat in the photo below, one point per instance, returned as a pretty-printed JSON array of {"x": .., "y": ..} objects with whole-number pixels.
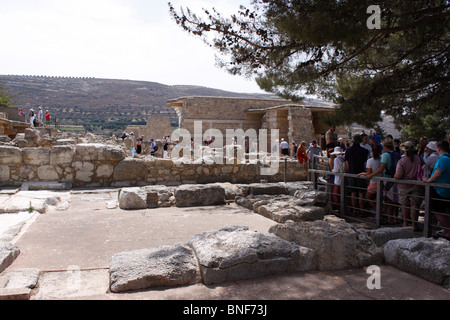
[
  {"x": 32, "y": 117},
  {"x": 284, "y": 148},
  {"x": 338, "y": 167},
  {"x": 432, "y": 157},
  {"x": 410, "y": 195}
]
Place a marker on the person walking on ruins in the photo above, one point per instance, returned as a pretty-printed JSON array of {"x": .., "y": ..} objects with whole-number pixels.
[
  {"x": 47, "y": 117},
  {"x": 301, "y": 154},
  {"x": 40, "y": 117},
  {"x": 32, "y": 117}
]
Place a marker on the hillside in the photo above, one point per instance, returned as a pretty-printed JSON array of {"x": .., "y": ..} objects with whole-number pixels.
[{"x": 102, "y": 105}]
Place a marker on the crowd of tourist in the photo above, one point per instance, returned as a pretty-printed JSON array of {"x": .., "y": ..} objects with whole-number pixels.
[
  {"x": 366, "y": 158},
  {"x": 37, "y": 118}
]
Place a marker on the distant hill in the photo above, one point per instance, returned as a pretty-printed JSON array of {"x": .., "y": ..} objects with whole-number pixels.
[{"x": 103, "y": 105}]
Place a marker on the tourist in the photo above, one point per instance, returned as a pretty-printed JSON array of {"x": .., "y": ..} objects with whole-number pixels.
[
  {"x": 397, "y": 144},
  {"x": 40, "y": 117},
  {"x": 440, "y": 197},
  {"x": 389, "y": 159},
  {"x": 328, "y": 177},
  {"x": 165, "y": 149},
  {"x": 409, "y": 194},
  {"x": 301, "y": 154},
  {"x": 341, "y": 144},
  {"x": 365, "y": 144},
  {"x": 47, "y": 117},
  {"x": 423, "y": 142},
  {"x": 432, "y": 157},
  {"x": 314, "y": 150},
  {"x": 284, "y": 148},
  {"x": 331, "y": 138},
  {"x": 133, "y": 144},
  {"x": 32, "y": 117},
  {"x": 373, "y": 164},
  {"x": 356, "y": 158},
  {"x": 139, "y": 142},
  {"x": 153, "y": 147},
  {"x": 294, "y": 150},
  {"x": 339, "y": 166}
]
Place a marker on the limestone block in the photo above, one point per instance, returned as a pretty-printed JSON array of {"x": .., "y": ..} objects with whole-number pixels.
[
  {"x": 62, "y": 155},
  {"x": 423, "y": 257},
  {"x": 47, "y": 173},
  {"x": 8, "y": 253},
  {"x": 236, "y": 253},
  {"x": 105, "y": 171},
  {"x": 132, "y": 199},
  {"x": 192, "y": 195},
  {"x": 31, "y": 135},
  {"x": 4, "y": 173},
  {"x": 35, "y": 156},
  {"x": 159, "y": 267},
  {"x": 22, "y": 278},
  {"x": 98, "y": 152},
  {"x": 130, "y": 170},
  {"x": 383, "y": 235},
  {"x": 338, "y": 245},
  {"x": 10, "y": 155}
]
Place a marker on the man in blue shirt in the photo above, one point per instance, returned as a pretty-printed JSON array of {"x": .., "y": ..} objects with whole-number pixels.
[{"x": 440, "y": 197}]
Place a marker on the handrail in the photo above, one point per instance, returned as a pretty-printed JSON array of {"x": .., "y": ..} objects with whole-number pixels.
[{"x": 313, "y": 176}]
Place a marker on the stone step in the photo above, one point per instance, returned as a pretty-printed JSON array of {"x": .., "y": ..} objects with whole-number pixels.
[
  {"x": 15, "y": 294},
  {"x": 46, "y": 185}
]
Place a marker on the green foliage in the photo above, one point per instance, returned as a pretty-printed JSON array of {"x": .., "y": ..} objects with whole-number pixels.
[
  {"x": 6, "y": 98},
  {"x": 324, "y": 48}
]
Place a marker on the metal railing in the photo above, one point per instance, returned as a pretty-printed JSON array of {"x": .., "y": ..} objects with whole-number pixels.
[{"x": 375, "y": 211}]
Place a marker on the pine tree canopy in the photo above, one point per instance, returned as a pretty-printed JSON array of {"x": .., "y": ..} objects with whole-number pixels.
[{"x": 335, "y": 50}]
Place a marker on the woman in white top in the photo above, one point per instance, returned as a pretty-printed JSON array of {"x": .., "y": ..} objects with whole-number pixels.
[
  {"x": 373, "y": 164},
  {"x": 338, "y": 166}
]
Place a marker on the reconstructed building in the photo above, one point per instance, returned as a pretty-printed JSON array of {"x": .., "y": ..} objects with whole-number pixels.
[{"x": 296, "y": 122}]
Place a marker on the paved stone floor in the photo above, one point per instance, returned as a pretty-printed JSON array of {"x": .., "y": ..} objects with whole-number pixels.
[{"x": 72, "y": 247}]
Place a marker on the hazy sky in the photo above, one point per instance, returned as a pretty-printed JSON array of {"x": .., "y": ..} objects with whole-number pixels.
[{"x": 113, "y": 39}]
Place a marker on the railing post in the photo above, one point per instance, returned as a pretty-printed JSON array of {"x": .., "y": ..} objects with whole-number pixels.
[
  {"x": 427, "y": 222},
  {"x": 342, "y": 191},
  {"x": 379, "y": 199}
]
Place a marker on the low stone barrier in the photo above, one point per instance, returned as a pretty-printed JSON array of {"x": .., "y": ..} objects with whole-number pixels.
[{"x": 105, "y": 165}]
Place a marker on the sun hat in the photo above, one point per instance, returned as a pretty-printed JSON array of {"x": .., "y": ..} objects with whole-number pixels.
[
  {"x": 407, "y": 145},
  {"x": 432, "y": 145},
  {"x": 337, "y": 151}
]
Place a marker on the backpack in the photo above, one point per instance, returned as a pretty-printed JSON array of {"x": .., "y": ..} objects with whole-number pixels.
[{"x": 395, "y": 157}]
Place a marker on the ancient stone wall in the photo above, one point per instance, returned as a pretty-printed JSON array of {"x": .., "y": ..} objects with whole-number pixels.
[{"x": 104, "y": 165}]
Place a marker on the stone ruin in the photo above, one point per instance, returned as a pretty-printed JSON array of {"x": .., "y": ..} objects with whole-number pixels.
[
  {"x": 305, "y": 238},
  {"x": 91, "y": 161}
]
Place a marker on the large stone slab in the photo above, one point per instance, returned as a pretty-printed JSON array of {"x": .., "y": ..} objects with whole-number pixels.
[
  {"x": 338, "y": 245},
  {"x": 147, "y": 197},
  {"x": 423, "y": 257},
  {"x": 147, "y": 268},
  {"x": 236, "y": 253},
  {"x": 281, "y": 208},
  {"x": 8, "y": 253},
  {"x": 199, "y": 195}
]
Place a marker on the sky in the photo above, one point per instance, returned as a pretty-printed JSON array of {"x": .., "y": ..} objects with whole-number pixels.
[{"x": 112, "y": 39}]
